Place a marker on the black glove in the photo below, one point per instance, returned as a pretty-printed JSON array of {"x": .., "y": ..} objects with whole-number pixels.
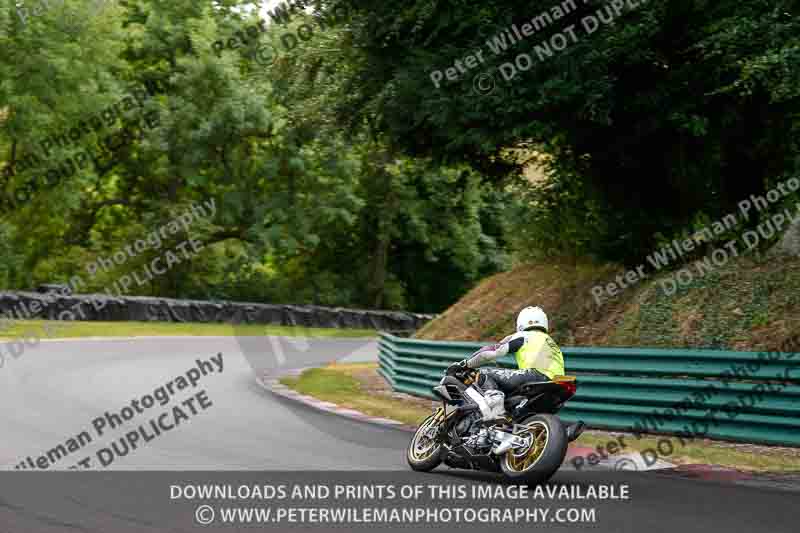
[{"x": 456, "y": 367}]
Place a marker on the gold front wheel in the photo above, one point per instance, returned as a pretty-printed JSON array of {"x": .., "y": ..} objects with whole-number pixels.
[{"x": 423, "y": 450}]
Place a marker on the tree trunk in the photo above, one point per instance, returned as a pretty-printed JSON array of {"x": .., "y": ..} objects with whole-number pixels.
[
  {"x": 380, "y": 260},
  {"x": 385, "y": 215}
]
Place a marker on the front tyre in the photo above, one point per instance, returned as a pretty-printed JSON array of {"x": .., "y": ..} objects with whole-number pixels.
[
  {"x": 542, "y": 456},
  {"x": 424, "y": 450}
]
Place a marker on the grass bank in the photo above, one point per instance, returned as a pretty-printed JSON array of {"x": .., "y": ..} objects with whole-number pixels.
[
  {"x": 748, "y": 304},
  {"x": 50, "y": 329},
  {"x": 358, "y": 386}
]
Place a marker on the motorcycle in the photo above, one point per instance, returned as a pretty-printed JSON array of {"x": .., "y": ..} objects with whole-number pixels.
[{"x": 519, "y": 434}]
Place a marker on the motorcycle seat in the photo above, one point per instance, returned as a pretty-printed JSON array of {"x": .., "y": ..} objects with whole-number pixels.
[{"x": 511, "y": 382}]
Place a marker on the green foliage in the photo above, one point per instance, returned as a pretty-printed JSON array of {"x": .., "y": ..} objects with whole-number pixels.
[
  {"x": 557, "y": 217},
  {"x": 10, "y": 261},
  {"x": 342, "y": 176},
  {"x": 304, "y": 213},
  {"x": 676, "y": 107},
  {"x": 724, "y": 307}
]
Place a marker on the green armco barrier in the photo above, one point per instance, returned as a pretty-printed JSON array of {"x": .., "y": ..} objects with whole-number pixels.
[{"x": 739, "y": 396}]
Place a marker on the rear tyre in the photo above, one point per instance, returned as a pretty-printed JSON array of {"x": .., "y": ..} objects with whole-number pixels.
[
  {"x": 423, "y": 453},
  {"x": 546, "y": 449}
]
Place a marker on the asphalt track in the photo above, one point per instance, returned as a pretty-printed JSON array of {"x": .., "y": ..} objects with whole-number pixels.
[{"x": 52, "y": 392}]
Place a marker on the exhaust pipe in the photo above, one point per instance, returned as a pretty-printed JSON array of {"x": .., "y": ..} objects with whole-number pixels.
[
  {"x": 505, "y": 441},
  {"x": 574, "y": 430}
]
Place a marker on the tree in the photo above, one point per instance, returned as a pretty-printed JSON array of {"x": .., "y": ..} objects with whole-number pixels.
[
  {"x": 673, "y": 108},
  {"x": 305, "y": 212}
]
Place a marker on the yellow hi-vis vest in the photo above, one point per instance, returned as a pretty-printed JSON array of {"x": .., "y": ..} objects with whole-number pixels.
[{"x": 541, "y": 353}]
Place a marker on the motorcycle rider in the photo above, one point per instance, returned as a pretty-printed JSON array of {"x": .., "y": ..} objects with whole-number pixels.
[{"x": 538, "y": 358}]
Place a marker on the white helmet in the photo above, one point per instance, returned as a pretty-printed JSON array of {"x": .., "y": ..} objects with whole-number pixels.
[{"x": 532, "y": 317}]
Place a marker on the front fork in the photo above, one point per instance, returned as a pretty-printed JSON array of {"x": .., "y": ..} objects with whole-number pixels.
[{"x": 442, "y": 423}]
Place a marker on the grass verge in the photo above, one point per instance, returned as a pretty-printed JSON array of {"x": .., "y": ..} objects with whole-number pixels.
[
  {"x": 358, "y": 386},
  {"x": 747, "y": 457},
  {"x": 76, "y": 329},
  {"x": 339, "y": 384}
]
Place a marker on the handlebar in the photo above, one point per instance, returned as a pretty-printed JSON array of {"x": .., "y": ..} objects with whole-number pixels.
[{"x": 464, "y": 374}]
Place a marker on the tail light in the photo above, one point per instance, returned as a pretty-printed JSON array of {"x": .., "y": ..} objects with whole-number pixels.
[
  {"x": 568, "y": 383},
  {"x": 569, "y": 386}
]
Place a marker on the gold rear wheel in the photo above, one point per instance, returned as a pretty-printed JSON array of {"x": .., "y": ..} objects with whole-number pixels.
[
  {"x": 542, "y": 453},
  {"x": 521, "y": 460}
]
